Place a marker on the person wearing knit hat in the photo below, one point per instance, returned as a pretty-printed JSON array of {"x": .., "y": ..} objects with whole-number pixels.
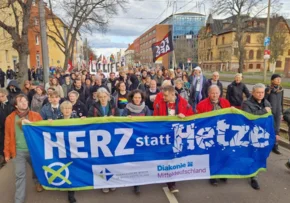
[{"x": 274, "y": 94}]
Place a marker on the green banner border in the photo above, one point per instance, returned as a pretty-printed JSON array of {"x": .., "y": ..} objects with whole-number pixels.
[
  {"x": 86, "y": 121},
  {"x": 212, "y": 177}
]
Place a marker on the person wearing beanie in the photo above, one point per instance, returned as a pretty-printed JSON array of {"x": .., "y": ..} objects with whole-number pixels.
[{"x": 274, "y": 93}]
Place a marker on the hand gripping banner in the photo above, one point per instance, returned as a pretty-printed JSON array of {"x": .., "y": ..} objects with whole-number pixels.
[{"x": 91, "y": 153}]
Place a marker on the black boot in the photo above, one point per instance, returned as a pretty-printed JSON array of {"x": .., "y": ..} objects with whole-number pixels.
[
  {"x": 71, "y": 197},
  {"x": 276, "y": 149}
]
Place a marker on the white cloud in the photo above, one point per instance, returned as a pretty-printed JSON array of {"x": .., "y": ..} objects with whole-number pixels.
[{"x": 140, "y": 16}]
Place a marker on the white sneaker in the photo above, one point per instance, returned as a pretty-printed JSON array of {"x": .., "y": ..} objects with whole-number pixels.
[{"x": 106, "y": 190}]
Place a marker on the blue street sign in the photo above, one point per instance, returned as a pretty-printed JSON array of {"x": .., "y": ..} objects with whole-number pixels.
[{"x": 267, "y": 41}]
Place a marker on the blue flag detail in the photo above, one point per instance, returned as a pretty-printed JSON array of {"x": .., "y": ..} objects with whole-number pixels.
[{"x": 96, "y": 153}]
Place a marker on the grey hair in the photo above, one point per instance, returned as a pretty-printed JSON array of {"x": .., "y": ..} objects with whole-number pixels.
[
  {"x": 103, "y": 90},
  {"x": 213, "y": 86},
  {"x": 178, "y": 80},
  {"x": 166, "y": 82},
  {"x": 258, "y": 85},
  {"x": 75, "y": 93},
  {"x": 3, "y": 91},
  {"x": 239, "y": 74}
]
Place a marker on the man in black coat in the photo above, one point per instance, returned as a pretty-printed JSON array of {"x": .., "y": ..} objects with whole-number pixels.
[
  {"x": 13, "y": 90},
  {"x": 236, "y": 90},
  {"x": 77, "y": 86},
  {"x": 213, "y": 81},
  {"x": 5, "y": 109},
  {"x": 2, "y": 78},
  {"x": 10, "y": 74},
  {"x": 257, "y": 105},
  {"x": 274, "y": 94}
]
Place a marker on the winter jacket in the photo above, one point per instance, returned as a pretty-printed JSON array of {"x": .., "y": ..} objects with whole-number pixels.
[
  {"x": 10, "y": 137},
  {"x": 182, "y": 92},
  {"x": 47, "y": 112},
  {"x": 253, "y": 107},
  {"x": 80, "y": 109},
  {"x": 159, "y": 80},
  {"x": 206, "y": 105},
  {"x": 37, "y": 101},
  {"x": 148, "y": 101},
  {"x": 96, "y": 110},
  {"x": 4, "y": 112},
  {"x": 275, "y": 97},
  {"x": 208, "y": 84},
  {"x": 83, "y": 93},
  {"x": 193, "y": 89},
  {"x": 13, "y": 93},
  {"x": 10, "y": 74},
  {"x": 235, "y": 93},
  {"x": 111, "y": 84},
  {"x": 66, "y": 88},
  {"x": 2, "y": 77},
  {"x": 286, "y": 116},
  {"x": 181, "y": 106}
]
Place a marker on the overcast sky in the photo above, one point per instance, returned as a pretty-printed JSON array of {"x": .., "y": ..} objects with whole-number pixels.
[{"x": 141, "y": 15}]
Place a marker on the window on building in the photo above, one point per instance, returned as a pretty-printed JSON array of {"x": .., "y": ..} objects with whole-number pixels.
[
  {"x": 36, "y": 40},
  {"x": 250, "y": 66},
  {"x": 251, "y": 54},
  {"x": 248, "y": 40},
  {"x": 223, "y": 40},
  {"x": 278, "y": 64},
  {"x": 258, "y": 66},
  {"x": 216, "y": 41},
  {"x": 288, "y": 52},
  {"x": 236, "y": 51}
]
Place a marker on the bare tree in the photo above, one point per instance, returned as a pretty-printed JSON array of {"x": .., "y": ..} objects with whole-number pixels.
[
  {"x": 241, "y": 11},
  {"x": 76, "y": 16},
  {"x": 184, "y": 49},
  {"x": 15, "y": 17}
]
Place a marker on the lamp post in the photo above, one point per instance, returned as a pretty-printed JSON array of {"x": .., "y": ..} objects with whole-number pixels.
[{"x": 267, "y": 35}]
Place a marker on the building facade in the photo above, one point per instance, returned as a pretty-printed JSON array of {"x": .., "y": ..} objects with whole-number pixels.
[
  {"x": 154, "y": 34},
  {"x": 187, "y": 23},
  {"x": 218, "y": 48}
]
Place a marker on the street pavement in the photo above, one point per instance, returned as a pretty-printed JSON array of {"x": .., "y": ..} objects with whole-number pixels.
[{"x": 275, "y": 188}]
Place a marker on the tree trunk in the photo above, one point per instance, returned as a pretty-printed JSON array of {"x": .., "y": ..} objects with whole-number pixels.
[
  {"x": 66, "y": 61},
  {"x": 23, "y": 68}
]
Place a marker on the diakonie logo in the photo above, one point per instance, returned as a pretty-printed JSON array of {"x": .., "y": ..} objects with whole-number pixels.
[{"x": 171, "y": 167}]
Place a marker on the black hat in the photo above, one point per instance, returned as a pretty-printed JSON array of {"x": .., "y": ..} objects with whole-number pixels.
[{"x": 275, "y": 76}]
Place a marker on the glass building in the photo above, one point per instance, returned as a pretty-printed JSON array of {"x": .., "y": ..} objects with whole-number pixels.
[{"x": 187, "y": 23}]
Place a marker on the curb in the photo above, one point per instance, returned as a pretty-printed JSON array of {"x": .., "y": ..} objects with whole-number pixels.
[{"x": 284, "y": 143}]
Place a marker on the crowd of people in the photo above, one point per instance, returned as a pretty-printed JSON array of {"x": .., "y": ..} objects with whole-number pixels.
[{"x": 133, "y": 92}]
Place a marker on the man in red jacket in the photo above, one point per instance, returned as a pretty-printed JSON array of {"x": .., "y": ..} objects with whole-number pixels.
[
  {"x": 172, "y": 105},
  {"x": 212, "y": 103}
]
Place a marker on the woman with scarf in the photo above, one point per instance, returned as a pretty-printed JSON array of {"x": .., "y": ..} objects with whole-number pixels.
[
  {"x": 197, "y": 85},
  {"x": 179, "y": 88},
  {"x": 120, "y": 98},
  {"x": 136, "y": 107},
  {"x": 38, "y": 98},
  {"x": 275, "y": 94}
]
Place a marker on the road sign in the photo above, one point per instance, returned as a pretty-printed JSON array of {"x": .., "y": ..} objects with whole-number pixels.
[
  {"x": 267, "y": 41},
  {"x": 267, "y": 54}
]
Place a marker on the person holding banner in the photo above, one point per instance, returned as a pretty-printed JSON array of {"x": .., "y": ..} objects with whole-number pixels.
[
  {"x": 66, "y": 109},
  {"x": 172, "y": 104},
  {"x": 257, "y": 105},
  {"x": 136, "y": 107},
  {"x": 16, "y": 147},
  {"x": 104, "y": 106},
  {"x": 212, "y": 103}
]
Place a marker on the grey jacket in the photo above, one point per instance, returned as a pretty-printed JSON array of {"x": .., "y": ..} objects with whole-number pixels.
[{"x": 253, "y": 107}]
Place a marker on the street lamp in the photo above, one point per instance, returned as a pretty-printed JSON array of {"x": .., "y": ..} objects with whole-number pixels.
[{"x": 267, "y": 45}]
